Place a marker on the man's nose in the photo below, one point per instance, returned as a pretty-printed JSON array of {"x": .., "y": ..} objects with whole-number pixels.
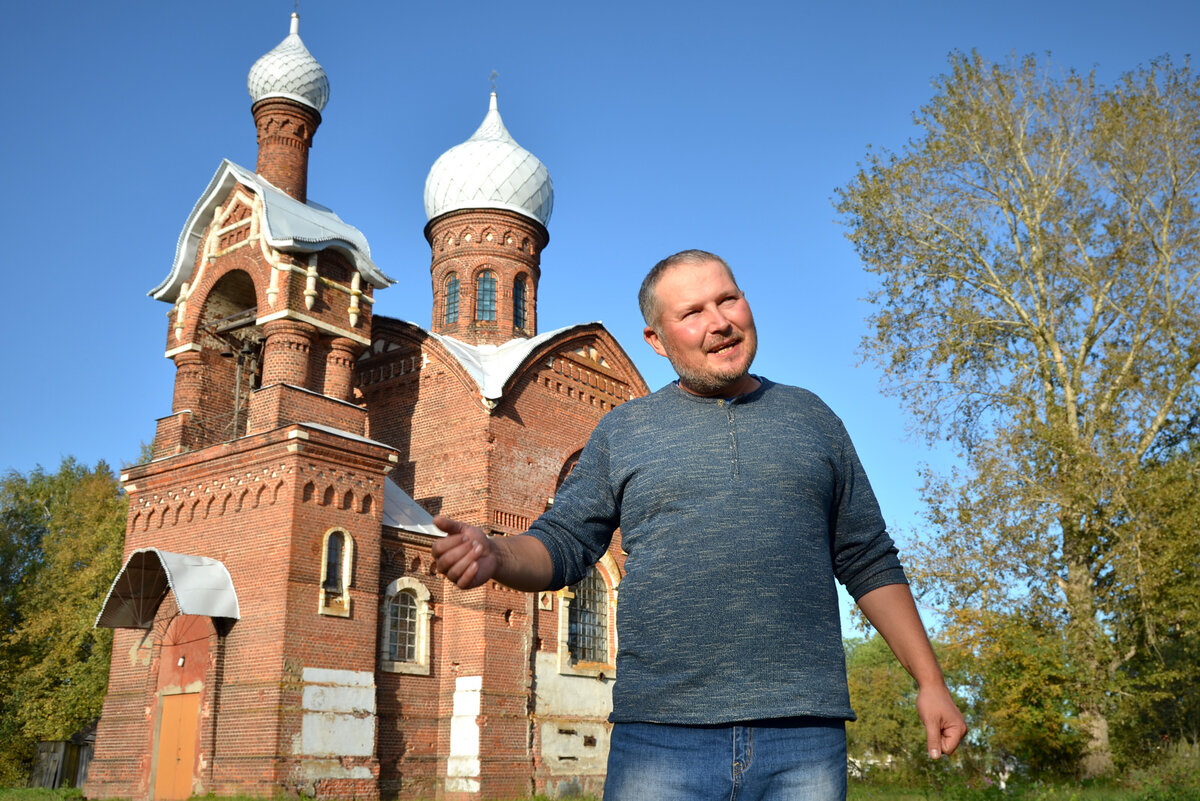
[{"x": 717, "y": 321}]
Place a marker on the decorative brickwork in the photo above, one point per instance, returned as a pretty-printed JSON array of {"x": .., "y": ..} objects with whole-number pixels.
[
  {"x": 339, "y": 367},
  {"x": 285, "y": 135},
  {"x": 294, "y": 407},
  {"x": 287, "y": 353},
  {"x": 467, "y": 242}
]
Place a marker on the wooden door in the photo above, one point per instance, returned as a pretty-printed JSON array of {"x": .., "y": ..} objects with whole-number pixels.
[{"x": 176, "y": 746}]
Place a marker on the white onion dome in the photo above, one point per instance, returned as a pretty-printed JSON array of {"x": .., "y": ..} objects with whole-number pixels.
[
  {"x": 489, "y": 171},
  {"x": 290, "y": 71}
]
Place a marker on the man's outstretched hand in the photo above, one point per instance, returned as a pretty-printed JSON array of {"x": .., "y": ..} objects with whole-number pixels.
[
  {"x": 465, "y": 556},
  {"x": 470, "y": 558}
]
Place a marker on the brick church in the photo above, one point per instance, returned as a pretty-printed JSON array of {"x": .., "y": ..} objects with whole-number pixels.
[{"x": 279, "y": 627}]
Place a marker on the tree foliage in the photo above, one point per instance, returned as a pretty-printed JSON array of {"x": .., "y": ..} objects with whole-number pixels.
[
  {"x": 1039, "y": 304},
  {"x": 62, "y": 546},
  {"x": 1158, "y": 619},
  {"x": 883, "y": 695}
]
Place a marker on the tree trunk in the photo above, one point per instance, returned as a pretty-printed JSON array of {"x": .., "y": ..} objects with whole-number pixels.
[
  {"x": 1084, "y": 648},
  {"x": 1097, "y": 757}
]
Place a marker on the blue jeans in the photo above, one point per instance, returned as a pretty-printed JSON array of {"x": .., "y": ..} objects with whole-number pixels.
[{"x": 792, "y": 759}]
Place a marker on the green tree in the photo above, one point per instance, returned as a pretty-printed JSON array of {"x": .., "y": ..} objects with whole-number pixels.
[
  {"x": 1158, "y": 622},
  {"x": 1036, "y": 245},
  {"x": 1021, "y": 687},
  {"x": 21, "y": 516},
  {"x": 883, "y": 695},
  {"x": 53, "y": 663}
]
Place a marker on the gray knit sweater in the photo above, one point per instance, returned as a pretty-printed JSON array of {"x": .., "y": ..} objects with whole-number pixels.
[{"x": 736, "y": 515}]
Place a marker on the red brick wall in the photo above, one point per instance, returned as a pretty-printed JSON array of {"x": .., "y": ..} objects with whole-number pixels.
[
  {"x": 469, "y": 241},
  {"x": 285, "y": 134},
  {"x": 244, "y": 504}
]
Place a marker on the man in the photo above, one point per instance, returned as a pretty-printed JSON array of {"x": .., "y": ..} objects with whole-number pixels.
[{"x": 739, "y": 501}]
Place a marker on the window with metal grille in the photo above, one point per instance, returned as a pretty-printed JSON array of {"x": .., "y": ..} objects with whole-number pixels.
[
  {"x": 485, "y": 296},
  {"x": 402, "y": 627},
  {"x": 519, "y": 302},
  {"x": 452, "y": 299},
  {"x": 333, "y": 564},
  {"x": 587, "y": 619}
]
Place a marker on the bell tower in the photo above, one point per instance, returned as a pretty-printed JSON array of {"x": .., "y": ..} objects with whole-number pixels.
[
  {"x": 272, "y": 296},
  {"x": 488, "y": 201},
  {"x": 262, "y": 470}
]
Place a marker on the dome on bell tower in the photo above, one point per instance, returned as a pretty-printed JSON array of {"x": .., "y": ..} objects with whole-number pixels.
[
  {"x": 490, "y": 171},
  {"x": 290, "y": 71}
]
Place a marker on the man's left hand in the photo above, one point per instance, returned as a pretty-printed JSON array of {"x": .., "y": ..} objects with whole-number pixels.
[{"x": 944, "y": 724}]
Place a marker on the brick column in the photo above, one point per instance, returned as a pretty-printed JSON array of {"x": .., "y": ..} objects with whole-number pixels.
[
  {"x": 188, "y": 377},
  {"x": 285, "y": 135},
  {"x": 339, "y": 368},
  {"x": 177, "y": 432},
  {"x": 286, "y": 353}
]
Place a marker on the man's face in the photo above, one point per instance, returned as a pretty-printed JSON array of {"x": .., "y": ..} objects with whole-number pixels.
[{"x": 705, "y": 328}]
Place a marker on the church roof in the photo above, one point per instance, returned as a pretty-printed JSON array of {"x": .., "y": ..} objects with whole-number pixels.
[
  {"x": 492, "y": 365},
  {"x": 290, "y": 71},
  {"x": 401, "y": 511},
  {"x": 490, "y": 171},
  {"x": 288, "y": 225}
]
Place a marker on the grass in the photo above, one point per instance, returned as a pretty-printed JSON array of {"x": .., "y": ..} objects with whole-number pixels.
[
  {"x": 73, "y": 794},
  {"x": 859, "y": 791}
]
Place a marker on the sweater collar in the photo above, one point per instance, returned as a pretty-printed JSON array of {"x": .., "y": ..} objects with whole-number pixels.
[{"x": 747, "y": 397}]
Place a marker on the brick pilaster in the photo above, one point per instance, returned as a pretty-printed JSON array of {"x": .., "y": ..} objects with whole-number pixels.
[
  {"x": 339, "y": 368},
  {"x": 286, "y": 353}
]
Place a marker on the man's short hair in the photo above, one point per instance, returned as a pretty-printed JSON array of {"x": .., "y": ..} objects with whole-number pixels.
[{"x": 648, "y": 299}]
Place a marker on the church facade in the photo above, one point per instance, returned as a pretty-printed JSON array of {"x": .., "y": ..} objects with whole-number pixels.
[{"x": 278, "y": 624}]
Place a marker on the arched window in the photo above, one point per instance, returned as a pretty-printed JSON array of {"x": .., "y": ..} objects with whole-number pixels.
[
  {"x": 587, "y": 620},
  {"x": 337, "y": 560},
  {"x": 451, "y": 299},
  {"x": 587, "y": 641},
  {"x": 485, "y": 296},
  {"x": 404, "y": 646},
  {"x": 519, "y": 301},
  {"x": 402, "y": 627},
  {"x": 332, "y": 582}
]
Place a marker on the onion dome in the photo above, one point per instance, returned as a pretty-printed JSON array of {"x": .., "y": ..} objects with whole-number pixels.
[
  {"x": 489, "y": 171},
  {"x": 290, "y": 71}
]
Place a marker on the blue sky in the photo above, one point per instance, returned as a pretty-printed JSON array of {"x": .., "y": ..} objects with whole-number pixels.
[{"x": 725, "y": 126}]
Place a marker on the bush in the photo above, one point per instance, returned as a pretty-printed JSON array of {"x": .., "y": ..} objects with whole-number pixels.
[
  {"x": 41, "y": 794},
  {"x": 1175, "y": 777}
]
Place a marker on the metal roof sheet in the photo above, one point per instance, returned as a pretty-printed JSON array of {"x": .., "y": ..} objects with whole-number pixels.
[
  {"x": 202, "y": 586},
  {"x": 490, "y": 171},
  {"x": 492, "y": 365},
  {"x": 288, "y": 225},
  {"x": 401, "y": 511}
]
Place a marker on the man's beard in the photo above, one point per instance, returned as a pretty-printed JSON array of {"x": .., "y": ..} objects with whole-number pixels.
[{"x": 714, "y": 382}]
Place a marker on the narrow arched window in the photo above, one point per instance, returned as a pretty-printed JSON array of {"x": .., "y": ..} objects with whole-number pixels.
[
  {"x": 587, "y": 624},
  {"x": 333, "y": 564},
  {"x": 337, "y": 561},
  {"x": 451, "y": 299},
  {"x": 401, "y": 643},
  {"x": 519, "y": 301},
  {"x": 405, "y": 615},
  {"x": 485, "y": 296}
]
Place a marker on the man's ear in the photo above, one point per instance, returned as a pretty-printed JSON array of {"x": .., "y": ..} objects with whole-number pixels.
[{"x": 654, "y": 341}]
